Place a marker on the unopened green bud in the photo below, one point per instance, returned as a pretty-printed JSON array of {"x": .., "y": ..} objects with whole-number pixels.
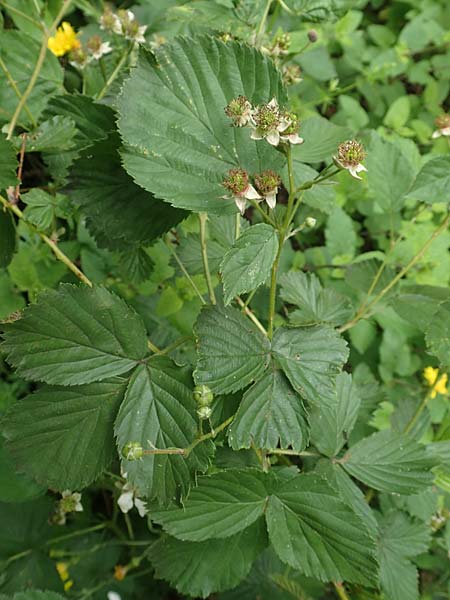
[
  {"x": 132, "y": 451},
  {"x": 204, "y": 412},
  {"x": 310, "y": 222},
  {"x": 203, "y": 395}
]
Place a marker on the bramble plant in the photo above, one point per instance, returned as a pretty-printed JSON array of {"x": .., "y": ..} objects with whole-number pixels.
[{"x": 224, "y": 300}]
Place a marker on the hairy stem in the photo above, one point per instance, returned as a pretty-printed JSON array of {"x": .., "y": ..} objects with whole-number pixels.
[{"x": 203, "y": 218}]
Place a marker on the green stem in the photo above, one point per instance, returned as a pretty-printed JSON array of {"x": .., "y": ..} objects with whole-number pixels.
[
  {"x": 203, "y": 218},
  {"x": 19, "y": 13},
  {"x": 168, "y": 349},
  {"x": 420, "y": 409},
  {"x": 37, "y": 68},
  {"x": 12, "y": 83},
  {"x": 265, "y": 216},
  {"x": 116, "y": 71},
  {"x": 340, "y": 589},
  {"x": 153, "y": 348},
  {"x": 56, "y": 251},
  {"x": 397, "y": 278},
  {"x": 184, "y": 271},
  {"x": 237, "y": 226},
  {"x": 74, "y": 534},
  {"x": 102, "y": 69},
  {"x": 292, "y": 452},
  {"x": 262, "y": 24},
  {"x": 251, "y": 315}
]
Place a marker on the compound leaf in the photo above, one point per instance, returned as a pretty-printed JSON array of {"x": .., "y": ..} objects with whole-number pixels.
[
  {"x": 75, "y": 335},
  {"x": 178, "y": 141},
  {"x": 232, "y": 352},
  {"x": 247, "y": 263}
]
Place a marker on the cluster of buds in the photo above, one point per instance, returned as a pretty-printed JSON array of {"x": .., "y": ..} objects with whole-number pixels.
[
  {"x": 132, "y": 451},
  {"x": 203, "y": 397},
  {"x": 94, "y": 50},
  {"x": 123, "y": 23},
  {"x": 267, "y": 121},
  {"x": 70, "y": 502},
  {"x": 350, "y": 156},
  {"x": 442, "y": 126},
  {"x": 292, "y": 74},
  {"x": 237, "y": 181},
  {"x": 280, "y": 45}
]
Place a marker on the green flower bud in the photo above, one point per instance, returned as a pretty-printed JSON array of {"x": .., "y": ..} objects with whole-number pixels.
[
  {"x": 203, "y": 395},
  {"x": 132, "y": 451},
  {"x": 204, "y": 412},
  {"x": 310, "y": 222}
]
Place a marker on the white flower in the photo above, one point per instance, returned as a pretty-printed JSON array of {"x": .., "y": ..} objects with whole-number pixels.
[
  {"x": 443, "y": 126},
  {"x": 139, "y": 35},
  {"x": 238, "y": 183},
  {"x": 267, "y": 184},
  {"x": 349, "y": 157},
  {"x": 128, "y": 499},
  {"x": 240, "y": 111},
  {"x": 113, "y": 596},
  {"x": 97, "y": 48},
  {"x": 268, "y": 122},
  {"x": 71, "y": 501}
]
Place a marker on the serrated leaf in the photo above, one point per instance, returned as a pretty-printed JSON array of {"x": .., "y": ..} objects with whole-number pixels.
[
  {"x": 310, "y": 357},
  {"x": 8, "y": 164},
  {"x": 201, "y": 568},
  {"x": 40, "y": 209},
  {"x": 75, "y": 335},
  {"x": 331, "y": 424},
  {"x": 56, "y": 134},
  {"x": 15, "y": 486},
  {"x": 362, "y": 273},
  {"x": 271, "y": 413},
  {"x": 248, "y": 262},
  {"x": 7, "y": 238},
  {"x": 438, "y": 333},
  {"x": 432, "y": 183},
  {"x": 313, "y": 530},
  {"x": 222, "y": 505},
  {"x": 119, "y": 214},
  {"x": 399, "y": 578},
  {"x": 417, "y": 303},
  {"x": 390, "y": 462},
  {"x": 63, "y": 437},
  {"x": 178, "y": 140},
  {"x": 232, "y": 352},
  {"x": 316, "y": 304},
  {"x": 159, "y": 411}
]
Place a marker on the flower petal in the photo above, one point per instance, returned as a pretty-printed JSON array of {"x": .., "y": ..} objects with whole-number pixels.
[
  {"x": 125, "y": 501},
  {"x": 271, "y": 199},
  {"x": 141, "y": 507},
  {"x": 240, "y": 202},
  {"x": 273, "y": 137},
  {"x": 436, "y": 134},
  {"x": 251, "y": 193}
]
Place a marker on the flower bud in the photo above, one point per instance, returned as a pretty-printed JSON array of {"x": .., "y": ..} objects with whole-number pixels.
[
  {"x": 239, "y": 110},
  {"x": 310, "y": 222},
  {"x": 132, "y": 451},
  {"x": 204, "y": 412},
  {"x": 203, "y": 395},
  {"x": 267, "y": 181},
  {"x": 312, "y": 36},
  {"x": 237, "y": 181}
]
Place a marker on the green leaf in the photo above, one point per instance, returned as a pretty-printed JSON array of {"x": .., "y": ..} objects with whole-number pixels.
[
  {"x": 178, "y": 140},
  {"x": 270, "y": 413},
  {"x": 40, "y": 208},
  {"x": 159, "y": 412},
  {"x": 232, "y": 352},
  {"x": 202, "y": 568},
  {"x": 331, "y": 424},
  {"x": 75, "y": 335},
  {"x": 317, "y": 305},
  {"x": 55, "y": 135},
  {"x": 7, "y": 238},
  {"x": 390, "y": 462},
  {"x": 119, "y": 214},
  {"x": 37, "y": 595},
  {"x": 432, "y": 183},
  {"x": 398, "y": 113},
  {"x": 222, "y": 505},
  {"x": 248, "y": 263},
  {"x": 63, "y": 437},
  {"x": 362, "y": 273},
  {"x": 15, "y": 486},
  {"x": 322, "y": 139},
  {"x": 389, "y": 174},
  {"x": 310, "y": 357},
  {"x": 417, "y": 304},
  {"x": 313, "y": 530},
  {"x": 438, "y": 333},
  {"x": 398, "y": 577},
  {"x": 8, "y": 164}
]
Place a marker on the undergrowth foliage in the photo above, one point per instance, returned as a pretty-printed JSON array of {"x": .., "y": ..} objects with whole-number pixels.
[{"x": 225, "y": 300}]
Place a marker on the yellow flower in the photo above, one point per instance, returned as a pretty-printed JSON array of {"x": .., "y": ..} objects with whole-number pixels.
[
  {"x": 63, "y": 570},
  {"x": 120, "y": 572},
  {"x": 64, "y": 41},
  {"x": 438, "y": 384}
]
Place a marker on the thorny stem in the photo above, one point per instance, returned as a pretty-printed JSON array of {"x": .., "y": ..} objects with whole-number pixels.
[
  {"x": 12, "y": 83},
  {"x": 361, "y": 313},
  {"x": 116, "y": 71},
  {"x": 53, "y": 246},
  {"x": 340, "y": 589},
  {"x": 203, "y": 218},
  {"x": 37, "y": 68}
]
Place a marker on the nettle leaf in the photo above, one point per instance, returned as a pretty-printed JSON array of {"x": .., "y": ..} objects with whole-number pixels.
[
  {"x": 201, "y": 568},
  {"x": 63, "y": 437},
  {"x": 8, "y": 163},
  {"x": 331, "y": 424},
  {"x": 271, "y": 413},
  {"x": 316, "y": 304},
  {"x": 438, "y": 333},
  {"x": 400, "y": 539},
  {"x": 432, "y": 183},
  {"x": 248, "y": 262},
  {"x": 310, "y": 527},
  {"x": 159, "y": 412},
  {"x": 119, "y": 214},
  {"x": 311, "y": 357},
  {"x": 75, "y": 335},
  {"x": 232, "y": 352},
  {"x": 390, "y": 462},
  {"x": 178, "y": 141},
  {"x": 313, "y": 530},
  {"x": 222, "y": 505}
]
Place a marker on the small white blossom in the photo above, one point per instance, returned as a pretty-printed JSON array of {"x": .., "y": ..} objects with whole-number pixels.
[
  {"x": 349, "y": 157},
  {"x": 240, "y": 111},
  {"x": 97, "y": 48},
  {"x": 113, "y": 596},
  {"x": 128, "y": 499},
  {"x": 267, "y": 184},
  {"x": 237, "y": 182},
  {"x": 71, "y": 501},
  {"x": 443, "y": 126},
  {"x": 268, "y": 122}
]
